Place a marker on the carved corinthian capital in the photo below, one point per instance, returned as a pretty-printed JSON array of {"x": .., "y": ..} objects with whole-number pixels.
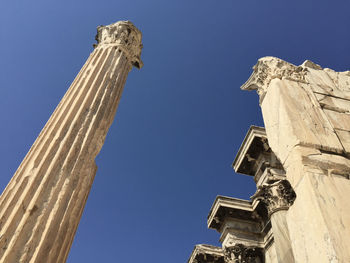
[
  {"x": 240, "y": 253},
  {"x": 277, "y": 196},
  {"x": 124, "y": 35},
  {"x": 269, "y": 68}
]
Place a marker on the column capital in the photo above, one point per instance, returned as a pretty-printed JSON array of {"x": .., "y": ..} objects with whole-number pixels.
[
  {"x": 276, "y": 196},
  {"x": 240, "y": 253},
  {"x": 269, "y": 68},
  {"x": 124, "y": 35}
]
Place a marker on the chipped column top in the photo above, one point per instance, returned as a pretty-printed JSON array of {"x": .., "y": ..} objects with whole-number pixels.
[
  {"x": 269, "y": 68},
  {"x": 124, "y": 35}
]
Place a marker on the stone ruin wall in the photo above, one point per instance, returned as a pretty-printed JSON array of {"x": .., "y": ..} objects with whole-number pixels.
[{"x": 306, "y": 111}]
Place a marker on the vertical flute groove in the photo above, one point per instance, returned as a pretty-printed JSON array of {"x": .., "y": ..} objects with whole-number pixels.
[
  {"x": 42, "y": 183},
  {"x": 58, "y": 189},
  {"x": 62, "y": 193},
  {"x": 34, "y": 188},
  {"x": 31, "y": 154}
]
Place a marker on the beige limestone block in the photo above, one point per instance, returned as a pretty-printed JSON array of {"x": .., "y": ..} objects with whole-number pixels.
[
  {"x": 307, "y": 228},
  {"x": 320, "y": 81},
  {"x": 292, "y": 118},
  {"x": 282, "y": 239},
  {"x": 326, "y": 163},
  {"x": 341, "y": 81},
  {"x": 329, "y": 82},
  {"x": 270, "y": 254},
  {"x": 333, "y": 103},
  {"x": 319, "y": 220},
  {"x": 339, "y": 120},
  {"x": 344, "y": 137}
]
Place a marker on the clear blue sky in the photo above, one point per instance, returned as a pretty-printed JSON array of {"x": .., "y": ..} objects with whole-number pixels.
[{"x": 181, "y": 119}]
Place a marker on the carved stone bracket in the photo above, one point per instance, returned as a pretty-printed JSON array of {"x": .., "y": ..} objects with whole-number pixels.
[
  {"x": 276, "y": 196},
  {"x": 240, "y": 253},
  {"x": 124, "y": 35}
]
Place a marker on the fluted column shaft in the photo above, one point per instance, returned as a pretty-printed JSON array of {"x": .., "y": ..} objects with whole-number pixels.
[{"x": 41, "y": 207}]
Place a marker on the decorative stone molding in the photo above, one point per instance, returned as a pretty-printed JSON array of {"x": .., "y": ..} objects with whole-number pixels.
[
  {"x": 276, "y": 196},
  {"x": 124, "y": 35},
  {"x": 206, "y": 254},
  {"x": 226, "y": 209},
  {"x": 240, "y": 253},
  {"x": 269, "y": 68},
  {"x": 306, "y": 114},
  {"x": 256, "y": 158}
]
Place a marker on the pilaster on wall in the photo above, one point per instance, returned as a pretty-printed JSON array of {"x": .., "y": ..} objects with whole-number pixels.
[{"x": 306, "y": 110}]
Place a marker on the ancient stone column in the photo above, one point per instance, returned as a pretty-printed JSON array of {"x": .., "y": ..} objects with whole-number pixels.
[
  {"x": 278, "y": 197},
  {"x": 41, "y": 207},
  {"x": 306, "y": 111}
]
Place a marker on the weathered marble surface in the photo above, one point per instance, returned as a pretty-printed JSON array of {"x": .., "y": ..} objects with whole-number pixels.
[
  {"x": 283, "y": 244},
  {"x": 41, "y": 207},
  {"x": 306, "y": 114},
  {"x": 270, "y": 254},
  {"x": 312, "y": 104}
]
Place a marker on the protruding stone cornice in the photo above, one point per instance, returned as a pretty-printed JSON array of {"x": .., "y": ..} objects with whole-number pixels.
[
  {"x": 206, "y": 254},
  {"x": 254, "y": 135},
  {"x": 255, "y": 156},
  {"x": 124, "y": 35},
  {"x": 240, "y": 253},
  {"x": 276, "y": 196},
  {"x": 227, "y": 207},
  {"x": 269, "y": 68}
]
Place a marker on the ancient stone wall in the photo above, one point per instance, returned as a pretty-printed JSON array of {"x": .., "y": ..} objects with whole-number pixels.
[
  {"x": 301, "y": 166},
  {"x": 306, "y": 110}
]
